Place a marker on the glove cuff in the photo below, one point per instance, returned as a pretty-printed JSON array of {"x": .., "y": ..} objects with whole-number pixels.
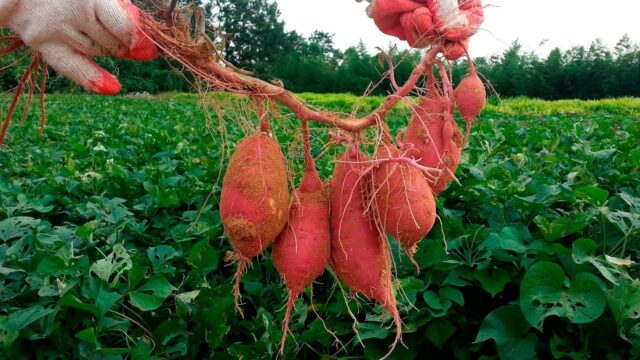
[{"x": 7, "y": 8}]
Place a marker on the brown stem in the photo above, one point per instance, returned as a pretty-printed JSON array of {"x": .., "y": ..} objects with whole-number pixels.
[
  {"x": 33, "y": 83},
  {"x": 224, "y": 78},
  {"x": 14, "y": 103},
  {"x": 392, "y": 72},
  {"x": 263, "y": 115},
  {"x": 168, "y": 15},
  {"x": 446, "y": 83},
  {"x": 472, "y": 66},
  {"x": 303, "y": 112},
  {"x": 15, "y": 45}
]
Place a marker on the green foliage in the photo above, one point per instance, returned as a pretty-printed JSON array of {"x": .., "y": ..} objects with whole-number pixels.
[
  {"x": 510, "y": 331},
  {"x": 104, "y": 252}
]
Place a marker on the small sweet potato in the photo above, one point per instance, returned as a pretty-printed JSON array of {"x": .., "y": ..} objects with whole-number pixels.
[
  {"x": 471, "y": 96},
  {"x": 301, "y": 252}
]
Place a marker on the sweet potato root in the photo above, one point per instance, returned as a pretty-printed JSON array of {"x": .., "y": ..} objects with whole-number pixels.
[
  {"x": 403, "y": 199},
  {"x": 254, "y": 202},
  {"x": 360, "y": 254}
]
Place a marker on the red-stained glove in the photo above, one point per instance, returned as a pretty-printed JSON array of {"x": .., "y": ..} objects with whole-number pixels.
[
  {"x": 423, "y": 22},
  {"x": 69, "y": 32}
]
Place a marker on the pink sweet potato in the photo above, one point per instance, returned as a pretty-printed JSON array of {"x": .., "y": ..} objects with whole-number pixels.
[
  {"x": 360, "y": 254},
  {"x": 254, "y": 202},
  {"x": 301, "y": 252},
  {"x": 435, "y": 137},
  {"x": 471, "y": 96},
  {"x": 404, "y": 202},
  {"x": 428, "y": 116}
]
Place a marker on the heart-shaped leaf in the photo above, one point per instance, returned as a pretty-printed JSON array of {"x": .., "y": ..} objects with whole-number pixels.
[
  {"x": 510, "y": 330},
  {"x": 151, "y": 295},
  {"x": 543, "y": 293}
]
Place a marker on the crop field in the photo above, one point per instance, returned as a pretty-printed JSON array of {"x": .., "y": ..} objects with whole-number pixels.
[{"x": 111, "y": 245}]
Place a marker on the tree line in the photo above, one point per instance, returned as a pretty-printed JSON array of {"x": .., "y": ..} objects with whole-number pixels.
[{"x": 256, "y": 40}]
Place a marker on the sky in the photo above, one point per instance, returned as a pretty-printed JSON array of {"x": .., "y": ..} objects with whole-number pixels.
[{"x": 539, "y": 25}]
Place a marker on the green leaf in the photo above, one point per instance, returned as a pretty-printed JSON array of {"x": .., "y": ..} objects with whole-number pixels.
[
  {"x": 111, "y": 268},
  {"x": 152, "y": 294},
  {"x": 543, "y": 294},
  {"x": 433, "y": 300},
  {"x": 88, "y": 335},
  {"x": 561, "y": 349},
  {"x": 20, "y": 319},
  {"x": 50, "y": 265},
  {"x": 624, "y": 301},
  {"x": 214, "y": 310},
  {"x": 441, "y": 302},
  {"x": 452, "y": 294},
  {"x": 73, "y": 302},
  {"x": 116, "y": 351},
  {"x": 583, "y": 252},
  {"x": 507, "y": 244},
  {"x": 204, "y": 257},
  {"x": 188, "y": 297},
  {"x": 411, "y": 288},
  {"x": 372, "y": 331},
  {"x": 493, "y": 283},
  {"x": 635, "y": 156},
  {"x": 561, "y": 227},
  {"x": 511, "y": 239},
  {"x": 17, "y": 227},
  {"x": 510, "y": 331},
  {"x": 106, "y": 300},
  {"x": 457, "y": 277},
  {"x": 439, "y": 331},
  {"x": 159, "y": 256},
  {"x": 593, "y": 194},
  {"x": 7, "y": 271}
]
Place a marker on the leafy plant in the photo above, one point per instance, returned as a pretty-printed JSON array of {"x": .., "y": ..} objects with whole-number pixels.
[{"x": 105, "y": 252}]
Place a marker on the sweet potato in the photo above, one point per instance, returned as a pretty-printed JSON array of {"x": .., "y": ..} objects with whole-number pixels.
[
  {"x": 404, "y": 202},
  {"x": 471, "y": 96},
  {"x": 435, "y": 137},
  {"x": 301, "y": 252},
  {"x": 254, "y": 202},
  {"x": 360, "y": 254},
  {"x": 428, "y": 115}
]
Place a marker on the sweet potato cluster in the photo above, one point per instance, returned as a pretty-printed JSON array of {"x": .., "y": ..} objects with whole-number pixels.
[{"x": 342, "y": 224}]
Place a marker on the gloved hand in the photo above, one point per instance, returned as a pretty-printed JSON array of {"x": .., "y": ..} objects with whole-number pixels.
[
  {"x": 423, "y": 22},
  {"x": 69, "y": 32}
]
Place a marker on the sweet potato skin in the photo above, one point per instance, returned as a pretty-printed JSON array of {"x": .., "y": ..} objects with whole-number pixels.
[
  {"x": 403, "y": 199},
  {"x": 424, "y": 129},
  {"x": 301, "y": 252},
  {"x": 470, "y": 97},
  {"x": 359, "y": 256},
  {"x": 435, "y": 139},
  {"x": 254, "y": 202}
]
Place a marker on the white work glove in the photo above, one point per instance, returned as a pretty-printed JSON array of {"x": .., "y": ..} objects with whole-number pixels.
[
  {"x": 69, "y": 32},
  {"x": 425, "y": 22}
]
